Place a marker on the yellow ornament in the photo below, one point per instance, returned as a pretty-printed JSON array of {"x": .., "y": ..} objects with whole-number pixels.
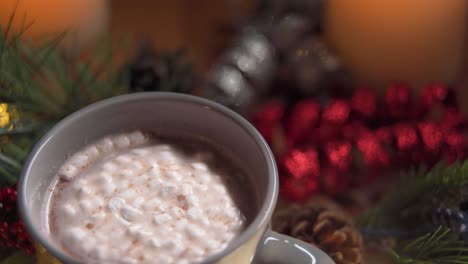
[
  {"x": 43, "y": 257},
  {"x": 4, "y": 115}
]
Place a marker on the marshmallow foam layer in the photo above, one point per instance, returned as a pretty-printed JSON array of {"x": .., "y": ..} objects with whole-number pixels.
[{"x": 130, "y": 198}]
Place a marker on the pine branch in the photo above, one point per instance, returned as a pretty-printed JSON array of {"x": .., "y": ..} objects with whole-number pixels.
[
  {"x": 412, "y": 190},
  {"x": 441, "y": 247}
]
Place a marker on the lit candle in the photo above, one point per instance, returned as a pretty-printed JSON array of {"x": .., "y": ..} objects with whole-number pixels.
[
  {"x": 416, "y": 41},
  {"x": 83, "y": 20}
]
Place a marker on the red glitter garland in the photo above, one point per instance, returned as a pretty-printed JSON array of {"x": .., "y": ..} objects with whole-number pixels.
[
  {"x": 347, "y": 142},
  {"x": 13, "y": 234}
]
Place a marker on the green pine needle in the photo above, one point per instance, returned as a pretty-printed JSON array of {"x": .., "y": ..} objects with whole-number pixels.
[
  {"x": 439, "y": 247},
  {"x": 412, "y": 191},
  {"x": 42, "y": 86}
]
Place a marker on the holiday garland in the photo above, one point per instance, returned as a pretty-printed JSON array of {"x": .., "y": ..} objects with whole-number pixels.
[{"x": 349, "y": 142}]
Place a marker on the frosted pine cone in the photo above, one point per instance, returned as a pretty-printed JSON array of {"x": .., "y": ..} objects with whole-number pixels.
[{"x": 324, "y": 225}]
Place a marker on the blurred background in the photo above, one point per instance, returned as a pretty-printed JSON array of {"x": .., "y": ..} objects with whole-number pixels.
[{"x": 351, "y": 95}]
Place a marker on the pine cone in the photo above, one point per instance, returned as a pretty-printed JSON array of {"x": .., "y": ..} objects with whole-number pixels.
[{"x": 323, "y": 225}]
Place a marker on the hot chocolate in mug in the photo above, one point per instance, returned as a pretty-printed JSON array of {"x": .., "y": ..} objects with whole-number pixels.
[{"x": 170, "y": 112}]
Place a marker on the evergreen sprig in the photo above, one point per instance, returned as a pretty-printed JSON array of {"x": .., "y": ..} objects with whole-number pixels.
[
  {"x": 414, "y": 189},
  {"x": 41, "y": 85},
  {"x": 438, "y": 247}
]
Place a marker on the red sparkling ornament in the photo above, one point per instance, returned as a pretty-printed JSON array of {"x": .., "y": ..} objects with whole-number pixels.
[
  {"x": 13, "y": 235},
  {"x": 304, "y": 116},
  {"x": 364, "y": 102},
  {"x": 325, "y": 133},
  {"x": 406, "y": 136},
  {"x": 384, "y": 135},
  {"x": 373, "y": 152},
  {"x": 267, "y": 118},
  {"x": 431, "y": 135},
  {"x": 8, "y": 199},
  {"x": 455, "y": 140},
  {"x": 354, "y": 130},
  {"x": 334, "y": 182},
  {"x": 299, "y": 189},
  {"x": 453, "y": 119},
  {"x": 337, "y": 112},
  {"x": 397, "y": 98},
  {"x": 301, "y": 163},
  {"x": 433, "y": 94},
  {"x": 339, "y": 155}
]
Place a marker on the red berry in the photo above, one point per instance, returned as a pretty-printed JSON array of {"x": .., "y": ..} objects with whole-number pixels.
[
  {"x": 267, "y": 118},
  {"x": 304, "y": 116},
  {"x": 364, "y": 102},
  {"x": 301, "y": 163},
  {"x": 431, "y": 135},
  {"x": 339, "y": 155},
  {"x": 397, "y": 98},
  {"x": 336, "y": 112},
  {"x": 295, "y": 189}
]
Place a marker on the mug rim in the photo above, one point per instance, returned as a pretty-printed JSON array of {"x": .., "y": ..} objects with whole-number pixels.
[{"x": 262, "y": 216}]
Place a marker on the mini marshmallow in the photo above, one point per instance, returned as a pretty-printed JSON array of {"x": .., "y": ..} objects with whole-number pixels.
[
  {"x": 154, "y": 242},
  {"x": 92, "y": 152},
  {"x": 137, "y": 165},
  {"x": 99, "y": 253},
  {"x": 176, "y": 212},
  {"x": 143, "y": 152},
  {"x": 84, "y": 191},
  {"x": 203, "y": 178},
  {"x": 86, "y": 206},
  {"x": 69, "y": 210},
  {"x": 138, "y": 202},
  {"x": 128, "y": 194},
  {"x": 231, "y": 213},
  {"x": 137, "y": 138},
  {"x": 108, "y": 188},
  {"x": 152, "y": 204},
  {"x": 106, "y": 145},
  {"x": 194, "y": 231},
  {"x": 128, "y": 173},
  {"x": 110, "y": 167},
  {"x": 128, "y": 260},
  {"x": 174, "y": 175},
  {"x": 166, "y": 156},
  {"x": 196, "y": 251},
  {"x": 122, "y": 184},
  {"x": 200, "y": 166},
  {"x": 211, "y": 244},
  {"x": 167, "y": 190},
  {"x": 175, "y": 247},
  {"x": 180, "y": 224},
  {"x": 124, "y": 159},
  {"x": 122, "y": 141},
  {"x": 186, "y": 189},
  {"x": 133, "y": 229},
  {"x": 98, "y": 216},
  {"x": 155, "y": 184},
  {"x": 162, "y": 218},
  {"x": 192, "y": 200},
  {"x": 76, "y": 234},
  {"x": 115, "y": 204},
  {"x": 155, "y": 171},
  {"x": 129, "y": 213},
  {"x": 104, "y": 177},
  {"x": 221, "y": 189},
  {"x": 194, "y": 213},
  {"x": 68, "y": 171},
  {"x": 80, "y": 160}
]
